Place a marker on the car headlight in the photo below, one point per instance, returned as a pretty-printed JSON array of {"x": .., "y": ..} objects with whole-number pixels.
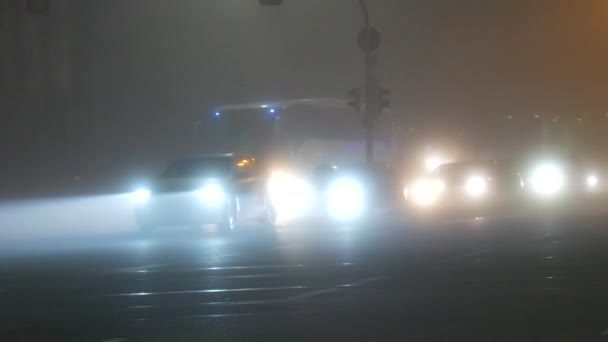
[
  {"x": 432, "y": 162},
  {"x": 212, "y": 195},
  {"x": 592, "y": 181},
  {"x": 140, "y": 195},
  {"x": 290, "y": 196},
  {"x": 345, "y": 199},
  {"x": 547, "y": 179},
  {"x": 476, "y": 186},
  {"x": 425, "y": 192}
]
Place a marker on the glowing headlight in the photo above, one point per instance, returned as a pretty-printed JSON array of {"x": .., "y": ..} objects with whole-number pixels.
[
  {"x": 140, "y": 195},
  {"x": 291, "y": 196},
  {"x": 592, "y": 181},
  {"x": 547, "y": 179},
  {"x": 211, "y": 194},
  {"x": 476, "y": 186},
  {"x": 432, "y": 163},
  {"x": 425, "y": 192},
  {"x": 345, "y": 199}
]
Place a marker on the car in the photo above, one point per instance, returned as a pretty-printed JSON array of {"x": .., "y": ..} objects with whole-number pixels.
[
  {"x": 469, "y": 187},
  {"x": 221, "y": 189},
  {"x": 357, "y": 191},
  {"x": 564, "y": 184}
]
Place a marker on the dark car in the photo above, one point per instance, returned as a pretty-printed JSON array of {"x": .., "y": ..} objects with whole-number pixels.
[
  {"x": 472, "y": 187},
  {"x": 212, "y": 189},
  {"x": 564, "y": 184},
  {"x": 468, "y": 182},
  {"x": 358, "y": 190}
]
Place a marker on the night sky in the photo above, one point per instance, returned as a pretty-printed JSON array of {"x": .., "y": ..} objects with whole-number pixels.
[{"x": 140, "y": 72}]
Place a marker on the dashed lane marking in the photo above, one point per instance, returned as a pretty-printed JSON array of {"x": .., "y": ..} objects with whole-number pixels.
[{"x": 333, "y": 289}]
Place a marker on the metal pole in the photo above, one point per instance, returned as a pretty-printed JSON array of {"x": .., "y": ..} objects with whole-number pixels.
[
  {"x": 195, "y": 131},
  {"x": 369, "y": 115},
  {"x": 367, "y": 86},
  {"x": 363, "y": 6}
]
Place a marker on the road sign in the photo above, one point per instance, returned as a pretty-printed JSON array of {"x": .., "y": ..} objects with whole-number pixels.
[{"x": 368, "y": 39}]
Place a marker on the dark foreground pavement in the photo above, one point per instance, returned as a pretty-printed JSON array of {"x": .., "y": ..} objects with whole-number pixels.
[{"x": 485, "y": 280}]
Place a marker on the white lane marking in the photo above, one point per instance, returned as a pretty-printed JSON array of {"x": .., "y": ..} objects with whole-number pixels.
[
  {"x": 605, "y": 332},
  {"x": 249, "y": 289},
  {"x": 246, "y": 276},
  {"x": 367, "y": 280},
  {"x": 255, "y": 267},
  {"x": 136, "y": 268},
  {"x": 333, "y": 289},
  {"x": 227, "y": 303},
  {"x": 312, "y": 294},
  {"x": 154, "y": 268},
  {"x": 245, "y": 314},
  {"x": 295, "y": 245},
  {"x": 475, "y": 253},
  {"x": 177, "y": 268},
  {"x": 161, "y": 293},
  {"x": 479, "y": 252}
]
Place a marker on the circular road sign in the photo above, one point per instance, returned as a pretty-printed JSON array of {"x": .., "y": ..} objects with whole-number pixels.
[{"x": 368, "y": 39}]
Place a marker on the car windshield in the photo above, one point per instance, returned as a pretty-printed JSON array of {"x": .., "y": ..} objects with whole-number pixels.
[{"x": 200, "y": 167}]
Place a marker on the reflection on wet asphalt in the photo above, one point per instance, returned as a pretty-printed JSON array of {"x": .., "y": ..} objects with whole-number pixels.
[{"x": 463, "y": 278}]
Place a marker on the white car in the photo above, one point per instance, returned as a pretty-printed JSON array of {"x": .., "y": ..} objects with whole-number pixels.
[{"x": 212, "y": 189}]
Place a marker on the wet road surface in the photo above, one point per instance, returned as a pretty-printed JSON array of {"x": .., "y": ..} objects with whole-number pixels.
[{"x": 474, "y": 279}]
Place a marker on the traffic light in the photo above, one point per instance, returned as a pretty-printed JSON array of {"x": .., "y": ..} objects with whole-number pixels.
[
  {"x": 383, "y": 100},
  {"x": 354, "y": 99}
]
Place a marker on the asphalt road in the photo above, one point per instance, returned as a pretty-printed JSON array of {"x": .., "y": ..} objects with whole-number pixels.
[{"x": 525, "y": 279}]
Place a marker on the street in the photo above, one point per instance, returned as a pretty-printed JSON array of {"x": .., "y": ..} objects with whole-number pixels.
[
  {"x": 477, "y": 279},
  {"x": 282, "y": 170}
]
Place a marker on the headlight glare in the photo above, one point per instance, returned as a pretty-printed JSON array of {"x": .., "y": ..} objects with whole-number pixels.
[
  {"x": 211, "y": 194},
  {"x": 592, "y": 181},
  {"x": 547, "y": 179},
  {"x": 476, "y": 186},
  {"x": 345, "y": 199},
  {"x": 425, "y": 192},
  {"x": 291, "y": 196},
  {"x": 140, "y": 195}
]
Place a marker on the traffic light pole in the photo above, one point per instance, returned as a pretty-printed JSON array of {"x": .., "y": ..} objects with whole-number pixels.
[
  {"x": 372, "y": 100},
  {"x": 368, "y": 41},
  {"x": 369, "y": 115},
  {"x": 367, "y": 75}
]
